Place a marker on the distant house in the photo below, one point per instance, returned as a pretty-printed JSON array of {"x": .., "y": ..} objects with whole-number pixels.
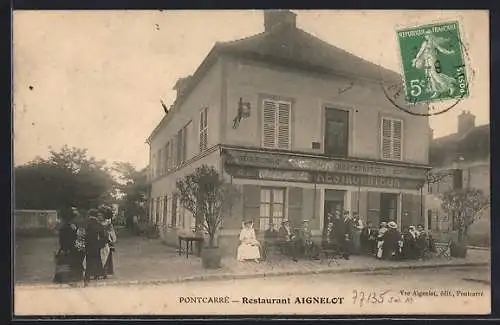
[
  {"x": 300, "y": 126},
  {"x": 464, "y": 160}
]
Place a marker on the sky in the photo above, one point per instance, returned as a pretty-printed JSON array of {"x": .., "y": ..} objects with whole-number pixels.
[{"x": 94, "y": 79}]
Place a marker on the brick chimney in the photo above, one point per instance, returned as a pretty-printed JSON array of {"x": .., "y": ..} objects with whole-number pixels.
[
  {"x": 181, "y": 84},
  {"x": 277, "y": 18},
  {"x": 466, "y": 122}
]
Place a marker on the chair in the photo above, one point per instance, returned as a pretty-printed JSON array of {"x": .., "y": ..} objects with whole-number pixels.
[
  {"x": 443, "y": 250},
  {"x": 330, "y": 252}
]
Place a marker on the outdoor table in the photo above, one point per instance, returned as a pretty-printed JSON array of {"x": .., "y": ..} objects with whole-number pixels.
[{"x": 189, "y": 239}]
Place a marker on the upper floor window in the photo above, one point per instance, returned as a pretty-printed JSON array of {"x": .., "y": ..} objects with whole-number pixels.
[
  {"x": 181, "y": 145},
  {"x": 160, "y": 162},
  {"x": 167, "y": 161},
  {"x": 392, "y": 134},
  {"x": 276, "y": 124},
  {"x": 336, "y": 132},
  {"x": 153, "y": 166},
  {"x": 203, "y": 129}
]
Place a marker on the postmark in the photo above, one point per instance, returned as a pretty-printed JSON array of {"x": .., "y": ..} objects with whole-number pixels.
[{"x": 435, "y": 69}]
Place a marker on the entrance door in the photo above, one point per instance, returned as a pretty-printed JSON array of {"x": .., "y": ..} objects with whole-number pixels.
[
  {"x": 330, "y": 207},
  {"x": 388, "y": 207}
]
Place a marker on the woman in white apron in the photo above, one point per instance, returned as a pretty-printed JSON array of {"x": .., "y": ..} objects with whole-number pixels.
[{"x": 249, "y": 248}]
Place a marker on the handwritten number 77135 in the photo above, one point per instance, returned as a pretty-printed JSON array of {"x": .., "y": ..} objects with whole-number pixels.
[{"x": 361, "y": 297}]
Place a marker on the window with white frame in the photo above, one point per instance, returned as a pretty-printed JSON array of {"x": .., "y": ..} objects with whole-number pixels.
[
  {"x": 203, "y": 129},
  {"x": 392, "y": 138},
  {"x": 276, "y": 124},
  {"x": 272, "y": 207}
]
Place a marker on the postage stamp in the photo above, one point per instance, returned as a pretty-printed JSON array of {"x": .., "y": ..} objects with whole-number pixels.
[{"x": 433, "y": 62}]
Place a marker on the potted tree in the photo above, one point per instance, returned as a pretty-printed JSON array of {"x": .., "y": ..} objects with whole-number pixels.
[
  {"x": 205, "y": 194},
  {"x": 464, "y": 206}
]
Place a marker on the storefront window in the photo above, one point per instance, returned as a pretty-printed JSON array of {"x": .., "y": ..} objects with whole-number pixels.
[{"x": 272, "y": 201}]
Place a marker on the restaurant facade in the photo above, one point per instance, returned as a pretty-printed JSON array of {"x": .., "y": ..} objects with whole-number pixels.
[{"x": 299, "y": 127}]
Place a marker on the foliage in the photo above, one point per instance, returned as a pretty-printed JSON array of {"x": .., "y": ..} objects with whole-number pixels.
[
  {"x": 205, "y": 194},
  {"x": 464, "y": 206},
  {"x": 134, "y": 187},
  {"x": 68, "y": 177}
]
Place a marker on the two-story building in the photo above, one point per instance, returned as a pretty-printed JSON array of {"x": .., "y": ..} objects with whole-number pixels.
[
  {"x": 460, "y": 160},
  {"x": 319, "y": 134}
]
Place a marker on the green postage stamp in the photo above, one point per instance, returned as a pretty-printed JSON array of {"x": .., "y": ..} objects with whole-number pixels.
[{"x": 433, "y": 63}]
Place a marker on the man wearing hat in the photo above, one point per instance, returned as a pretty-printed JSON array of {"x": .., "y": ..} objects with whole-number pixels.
[
  {"x": 391, "y": 239},
  {"x": 306, "y": 241},
  {"x": 343, "y": 233},
  {"x": 288, "y": 239}
]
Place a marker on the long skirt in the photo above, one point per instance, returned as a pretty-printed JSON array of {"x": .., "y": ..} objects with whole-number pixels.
[
  {"x": 356, "y": 242},
  {"x": 94, "y": 264},
  {"x": 108, "y": 266},
  {"x": 69, "y": 266},
  {"x": 248, "y": 252}
]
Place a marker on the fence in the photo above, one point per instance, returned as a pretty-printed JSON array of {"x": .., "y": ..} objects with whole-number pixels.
[{"x": 35, "y": 221}]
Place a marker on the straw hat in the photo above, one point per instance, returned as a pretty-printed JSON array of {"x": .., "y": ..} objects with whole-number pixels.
[{"x": 392, "y": 225}]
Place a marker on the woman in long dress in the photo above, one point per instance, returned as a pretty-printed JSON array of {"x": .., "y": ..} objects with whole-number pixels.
[
  {"x": 427, "y": 60},
  {"x": 356, "y": 235},
  {"x": 95, "y": 240},
  {"x": 110, "y": 240},
  {"x": 249, "y": 248},
  {"x": 69, "y": 258}
]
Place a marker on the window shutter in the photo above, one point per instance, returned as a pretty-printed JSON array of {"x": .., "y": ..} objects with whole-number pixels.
[
  {"x": 184, "y": 144},
  {"x": 396, "y": 138},
  {"x": 167, "y": 156},
  {"x": 284, "y": 125},
  {"x": 160, "y": 162},
  {"x": 174, "y": 211},
  {"x": 172, "y": 153},
  {"x": 269, "y": 124},
  {"x": 165, "y": 210},
  {"x": 203, "y": 129},
  {"x": 392, "y": 134},
  {"x": 386, "y": 139}
]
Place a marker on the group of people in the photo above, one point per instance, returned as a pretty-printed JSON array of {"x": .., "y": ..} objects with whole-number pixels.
[
  {"x": 291, "y": 242},
  {"x": 85, "y": 246},
  {"x": 387, "y": 242},
  {"x": 345, "y": 233}
]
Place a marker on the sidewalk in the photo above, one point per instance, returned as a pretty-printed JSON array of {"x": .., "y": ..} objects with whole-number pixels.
[{"x": 145, "y": 261}]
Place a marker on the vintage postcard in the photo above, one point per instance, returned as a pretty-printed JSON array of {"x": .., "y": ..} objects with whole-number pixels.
[{"x": 276, "y": 162}]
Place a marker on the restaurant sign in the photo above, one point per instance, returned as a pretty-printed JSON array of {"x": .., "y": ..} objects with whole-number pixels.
[
  {"x": 365, "y": 181},
  {"x": 324, "y": 178},
  {"x": 320, "y": 164}
]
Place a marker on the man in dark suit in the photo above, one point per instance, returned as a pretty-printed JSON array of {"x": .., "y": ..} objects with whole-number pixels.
[
  {"x": 343, "y": 232},
  {"x": 288, "y": 239},
  {"x": 368, "y": 236}
]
